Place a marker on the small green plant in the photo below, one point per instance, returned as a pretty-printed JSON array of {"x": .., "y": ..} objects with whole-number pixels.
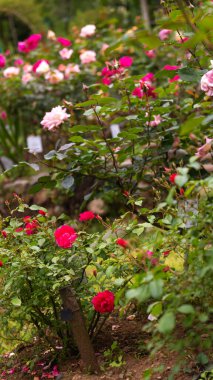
[{"x": 114, "y": 356}]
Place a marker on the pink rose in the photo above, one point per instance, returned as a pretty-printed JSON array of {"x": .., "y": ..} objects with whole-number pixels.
[
  {"x": 65, "y": 236},
  {"x": 2, "y": 61},
  {"x": 11, "y": 71},
  {"x": 204, "y": 149},
  {"x": 169, "y": 67},
  {"x": 137, "y": 92},
  {"x": 164, "y": 34},
  {"x": 174, "y": 79},
  {"x": 157, "y": 120},
  {"x": 150, "y": 53},
  {"x": 206, "y": 83},
  {"x": 64, "y": 41},
  {"x": 88, "y": 30},
  {"x": 54, "y": 118},
  {"x": 3, "y": 115},
  {"x": 149, "y": 77},
  {"x": 18, "y": 62},
  {"x": 38, "y": 63},
  {"x": 31, "y": 43},
  {"x": 26, "y": 77},
  {"x": 88, "y": 56},
  {"x": 125, "y": 61},
  {"x": 65, "y": 53},
  {"x": 54, "y": 76}
]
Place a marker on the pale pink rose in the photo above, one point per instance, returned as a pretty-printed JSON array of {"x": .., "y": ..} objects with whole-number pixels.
[
  {"x": 188, "y": 55},
  {"x": 71, "y": 69},
  {"x": 104, "y": 47},
  {"x": 51, "y": 35},
  {"x": 54, "y": 118},
  {"x": 206, "y": 83},
  {"x": 27, "y": 77},
  {"x": 11, "y": 71},
  {"x": 204, "y": 149},
  {"x": 88, "y": 30},
  {"x": 157, "y": 120},
  {"x": 164, "y": 34},
  {"x": 27, "y": 68},
  {"x": 150, "y": 53},
  {"x": 54, "y": 76},
  {"x": 65, "y": 53},
  {"x": 88, "y": 56},
  {"x": 180, "y": 38},
  {"x": 62, "y": 67},
  {"x": 42, "y": 68}
]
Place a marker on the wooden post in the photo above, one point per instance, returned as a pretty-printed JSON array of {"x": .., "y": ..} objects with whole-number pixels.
[{"x": 73, "y": 310}]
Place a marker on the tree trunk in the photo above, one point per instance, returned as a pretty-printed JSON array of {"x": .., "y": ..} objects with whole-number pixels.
[
  {"x": 145, "y": 14},
  {"x": 73, "y": 309}
]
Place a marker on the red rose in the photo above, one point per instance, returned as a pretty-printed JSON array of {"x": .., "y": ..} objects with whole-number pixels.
[
  {"x": 41, "y": 212},
  {"x": 31, "y": 227},
  {"x": 65, "y": 236},
  {"x": 104, "y": 302},
  {"x": 86, "y": 215},
  {"x": 166, "y": 253},
  {"x": 172, "y": 177},
  {"x": 123, "y": 243},
  {"x": 1, "y": 263},
  {"x": 26, "y": 219},
  {"x": 19, "y": 229},
  {"x": 166, "y": 269},
  {"x": 4, "y": 234}
]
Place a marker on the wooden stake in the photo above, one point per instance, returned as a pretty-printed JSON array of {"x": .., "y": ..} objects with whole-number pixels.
[{"x": 72, "y": 306}]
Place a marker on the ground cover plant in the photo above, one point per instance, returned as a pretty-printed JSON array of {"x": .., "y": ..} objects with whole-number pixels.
[{"x": 125, "y": 118}]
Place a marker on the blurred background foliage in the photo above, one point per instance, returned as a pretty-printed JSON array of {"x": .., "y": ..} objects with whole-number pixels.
[{"x": 18, "y": 18}]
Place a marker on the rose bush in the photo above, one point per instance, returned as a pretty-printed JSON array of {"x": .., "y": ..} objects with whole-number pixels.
[{"x": 134, "y": 131}]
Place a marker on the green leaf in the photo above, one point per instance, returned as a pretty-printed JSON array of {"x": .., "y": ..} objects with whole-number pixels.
[
  {"x": 34, "y": 208},
  {"x": 16, "y": 301},
  {"x": 190, "y": 125},
  {"x": 141, "y": 294},
  {"x": 186, "y": 309},
  {"x": 180, "y": 180},
  {"x": 77, "y": 139},
  {"x": 156, "y": 288},
  {"x": 68, "y": 182},
  {"x": 50, "y": 155},
  {"x": 202, "y": 358},
  {"x": 166, "y": 323},
  {"x": 155, "y": 308},
  {"x": 189, "y": 75}
]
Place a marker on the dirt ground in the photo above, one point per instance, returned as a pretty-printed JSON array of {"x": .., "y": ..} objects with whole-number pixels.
[{"x": 134, "y": 359}]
